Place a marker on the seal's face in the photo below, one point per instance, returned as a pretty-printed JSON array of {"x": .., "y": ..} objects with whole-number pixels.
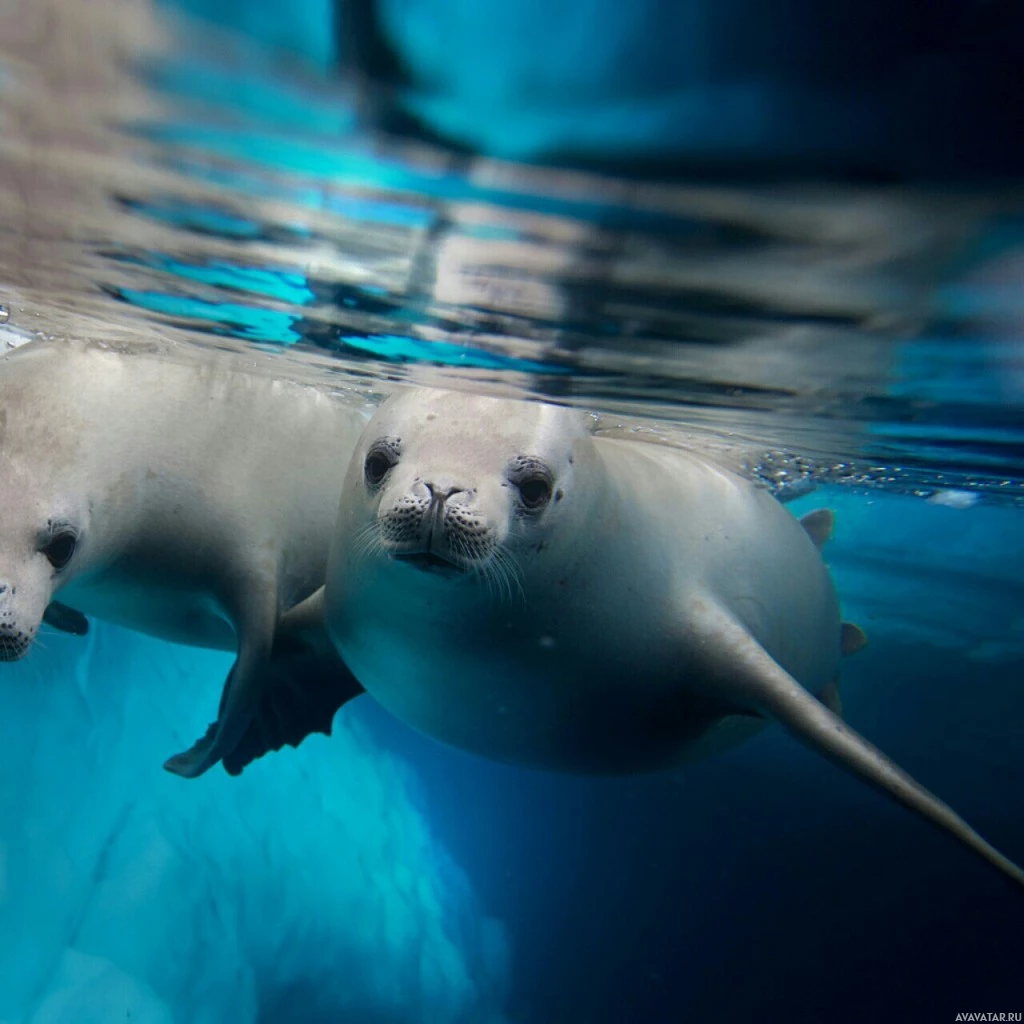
[
  {"x": 460, "y": 484},
  {"x": 37, "y": 549}
]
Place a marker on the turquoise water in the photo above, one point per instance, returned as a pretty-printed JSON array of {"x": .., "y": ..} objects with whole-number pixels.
[{"x": 861, "y": 342}]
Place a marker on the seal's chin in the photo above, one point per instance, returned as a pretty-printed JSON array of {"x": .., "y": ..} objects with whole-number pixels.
[{"x": 430, "y": 561}]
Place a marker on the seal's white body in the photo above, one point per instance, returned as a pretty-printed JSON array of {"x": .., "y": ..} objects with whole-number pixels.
[
  {"x": 506, "y": 582},
  {"x": 203, "y": 496},
  {"x": 582, "y": 666}
]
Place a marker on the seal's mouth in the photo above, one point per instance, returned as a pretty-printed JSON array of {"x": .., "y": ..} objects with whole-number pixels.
[{"x": 429, "y": 561}]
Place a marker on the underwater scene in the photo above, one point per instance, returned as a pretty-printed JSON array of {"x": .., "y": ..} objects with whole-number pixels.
[{"x": 511, "y": 513}]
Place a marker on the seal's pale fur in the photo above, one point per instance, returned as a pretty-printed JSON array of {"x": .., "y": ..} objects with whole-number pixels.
[
  {"x": 199, "y": 499},
  {"x": 505, "y": 581}
]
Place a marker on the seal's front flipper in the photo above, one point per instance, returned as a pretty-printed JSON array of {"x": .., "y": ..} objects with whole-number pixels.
[
  {"x": 66, "y": 619},
  {"x": 307, "y": 621},
  {"x": 742, "y": 671},
  {"x": 206, "y": 752},
  {"x": 241, "y": 697},
  {"x": 189, "y": 763},
  {"x": 302, "y": 691}
]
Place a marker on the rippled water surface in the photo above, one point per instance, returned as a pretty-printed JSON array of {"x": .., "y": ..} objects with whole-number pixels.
[{"x": 209, "y": 194}]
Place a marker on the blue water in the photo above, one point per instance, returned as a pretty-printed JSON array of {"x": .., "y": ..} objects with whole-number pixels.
[
  {"x": 313, "y": 889},
  {"x": 865, "y": 339}
]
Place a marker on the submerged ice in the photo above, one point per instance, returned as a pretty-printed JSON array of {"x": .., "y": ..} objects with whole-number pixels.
[{"x": 309, "y": 888}]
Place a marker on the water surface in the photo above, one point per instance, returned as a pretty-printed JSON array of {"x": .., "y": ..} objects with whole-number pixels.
[{"x": 211, "y": 194}]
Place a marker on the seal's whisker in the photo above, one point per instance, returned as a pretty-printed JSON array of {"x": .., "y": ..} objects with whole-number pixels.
[
  {"x": 503, "y": 566},
  {"x": 46, "y": 631},
  {"x": 495, "y": 567},
  {"x": 484, "y": 573},
  {"x": 460, "y": 547},
  {"x": 367, "y": 542},
  {"x": 514, "y": 570},
  {"x": 480, "y": 567},
  {"x": 493, "y": 579},
  {"x": 501, "y": 572}
]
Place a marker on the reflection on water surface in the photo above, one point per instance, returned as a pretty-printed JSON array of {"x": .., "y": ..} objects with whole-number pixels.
[{"x": 209, "y": 194}]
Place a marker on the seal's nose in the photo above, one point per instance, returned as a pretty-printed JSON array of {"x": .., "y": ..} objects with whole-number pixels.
[
  {"x": 432, "y": 530},
  {"x": 440, "y": 493}
]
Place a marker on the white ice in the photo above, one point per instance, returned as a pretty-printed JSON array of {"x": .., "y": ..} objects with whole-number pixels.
[{"x": 310, "y": 888}]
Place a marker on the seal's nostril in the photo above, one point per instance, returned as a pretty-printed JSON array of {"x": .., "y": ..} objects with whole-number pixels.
[
  {"x": 441, "y": 493},
  {"x": 3, "y": 588}
]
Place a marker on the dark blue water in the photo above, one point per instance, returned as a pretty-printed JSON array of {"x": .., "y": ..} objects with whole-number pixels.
[{"x": 856, "y": 328}]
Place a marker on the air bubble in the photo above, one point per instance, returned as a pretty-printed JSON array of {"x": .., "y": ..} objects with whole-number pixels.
[{"x": 954, "y": 498}]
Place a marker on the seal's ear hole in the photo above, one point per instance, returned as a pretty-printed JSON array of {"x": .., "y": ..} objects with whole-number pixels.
[
  {"x": 60, "y": 547},
  {"x": 379, "y": 459}
]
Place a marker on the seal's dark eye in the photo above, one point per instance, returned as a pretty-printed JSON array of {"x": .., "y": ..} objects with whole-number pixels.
[
  {"x": 60, "y": 547},
  {"x": 379, "y": 459},
  {"x": 533, "y": 480},
  {"x": 534, "y": 490}
]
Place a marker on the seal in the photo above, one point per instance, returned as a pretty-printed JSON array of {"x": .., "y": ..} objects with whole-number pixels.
[
  {"x": 181, "y": 495},
  {"x": 511, "y": 583}
]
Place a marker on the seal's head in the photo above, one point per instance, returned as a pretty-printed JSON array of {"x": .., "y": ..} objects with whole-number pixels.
[
  {"x": 38, "y": 542},
  {"x": 41, "y": 507},
  {"x": 458, "y": 484}
]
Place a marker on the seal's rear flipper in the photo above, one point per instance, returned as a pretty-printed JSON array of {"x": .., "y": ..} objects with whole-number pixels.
[
  {"x": 744, "y": 673},
  {"x": 302, "y": 692},
  {"x": 66, "y": 619}
]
